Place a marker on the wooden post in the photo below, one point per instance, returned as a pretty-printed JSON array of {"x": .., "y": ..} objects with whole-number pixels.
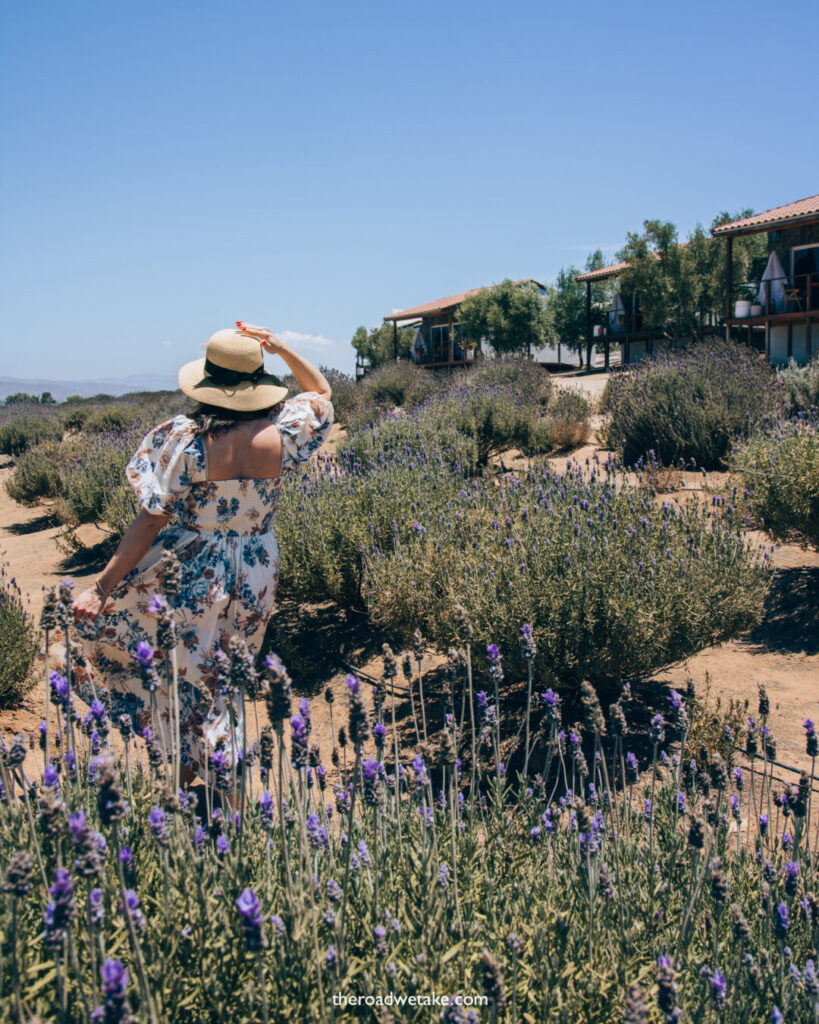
[
  {"x": 729, "y": 282},
  {"x": 588, "y": 326},
  {"x": 790, "y": 339},
  {"x": 395, "y": 340},
  {"x": 451, "y": 341},
  {"x": 768, "y": 339}
]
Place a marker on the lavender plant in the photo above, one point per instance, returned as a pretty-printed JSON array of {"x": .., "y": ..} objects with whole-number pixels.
[
  {"x": 587, "y": 885},
  {"x": 688, "y": 406}
]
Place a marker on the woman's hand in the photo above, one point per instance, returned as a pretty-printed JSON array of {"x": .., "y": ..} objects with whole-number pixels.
[
  {"x": 269, "y": 342},
  {"x": 86, "y": 605}
]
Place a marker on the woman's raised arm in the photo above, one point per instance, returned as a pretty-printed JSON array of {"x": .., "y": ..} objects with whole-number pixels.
[{"x": 308, "y": 377}]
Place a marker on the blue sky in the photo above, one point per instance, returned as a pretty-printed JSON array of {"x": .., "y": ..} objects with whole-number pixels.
[{"x": 172, "y": 167}]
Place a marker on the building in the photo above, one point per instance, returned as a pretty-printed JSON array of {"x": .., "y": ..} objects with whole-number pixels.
[
  {"x": 439, "y": 340},
  {"x": 780, "y": 312},
  {"x": 625, "y": 326}
]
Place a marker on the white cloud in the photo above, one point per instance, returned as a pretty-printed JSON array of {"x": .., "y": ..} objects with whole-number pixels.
[{"x": 317, "y": 341}]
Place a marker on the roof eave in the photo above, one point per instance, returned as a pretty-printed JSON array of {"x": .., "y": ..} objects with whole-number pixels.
[{"x": 770, "y": 225}]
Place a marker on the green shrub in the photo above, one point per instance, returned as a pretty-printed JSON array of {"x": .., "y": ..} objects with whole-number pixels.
[
  {"x": 347, "y": 394},
  {"x": 689, "y": 405},
  {"x": 19, "y": 642},
  {"x": 527, "y": 378},
  {"x": 120, "y": 508},
  {"x": 402, "y": 384},
  {"x": 329, "y": 515},
  {"x": 19, "y": 430},
  {"x": 615, "y": 584},
  {"x": 109, "y": 418},
  {"x": 75, "y": 419},
  {"x": 91, "y": 470},
  {"x": 800, "y": 385},
  {"x": 567, "y": 420},
  {"x": 36, "y": 474},
  {"x": 778, "y": 471}
]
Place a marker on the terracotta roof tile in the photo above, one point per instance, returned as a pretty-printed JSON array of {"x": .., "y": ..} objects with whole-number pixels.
[
  {"x": 428, "y": 308},
  {"x": 442, "y": 305},
  {"x": 802, "y": 208},
  {"x": 602, "y": 273}
]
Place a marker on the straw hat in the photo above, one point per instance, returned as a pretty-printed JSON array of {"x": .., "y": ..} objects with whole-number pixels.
[{"x": 232, "y": 374}]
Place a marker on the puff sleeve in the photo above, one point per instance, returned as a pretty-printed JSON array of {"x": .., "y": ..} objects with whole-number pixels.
[
  {"x": 160, "y": 470},
  {"x": 304, "y": 423}
]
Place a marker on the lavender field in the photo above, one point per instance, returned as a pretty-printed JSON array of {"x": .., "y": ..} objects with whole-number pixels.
[{"x": 531, "y": 832}]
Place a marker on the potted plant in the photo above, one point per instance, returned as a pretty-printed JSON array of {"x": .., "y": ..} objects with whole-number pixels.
[{"x": 742, "y": 307}]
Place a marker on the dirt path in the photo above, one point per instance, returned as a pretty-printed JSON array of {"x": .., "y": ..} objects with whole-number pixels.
[{"x": 782, "y": 653}]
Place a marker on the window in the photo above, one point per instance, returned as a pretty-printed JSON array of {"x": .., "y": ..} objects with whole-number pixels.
[
  {"x": 439, "y": 336},
  {"x": 805, "y": 264}
]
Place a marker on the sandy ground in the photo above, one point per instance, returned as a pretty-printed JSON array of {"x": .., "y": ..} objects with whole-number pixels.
[{"x": 782, "y": 653}]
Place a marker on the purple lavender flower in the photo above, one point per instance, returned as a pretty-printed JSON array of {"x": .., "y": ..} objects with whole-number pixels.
[
  {"x": 159, "y": 826},
  {"x": 95, "y": 907},
  {"x": 60, "y": 911},
  {"x": 133, "y": 907},
  {"x": 144, "y": 654},
  {"x": 811, "y": 739},
  {"x": 222, "y": 846},
  {"x": 420, "y": 772},
  {"x": 551, "y": 702},
  {"x": 443, "y": 875},
  {"x": 251, "y": 920},
  {"x": 656, "y": 732},
  {"x": 114, "y": 988},
  {"x": 791, "y": 878},
  {"x": 528, "y": 642},
  {"x": 299, "y": 746},
  {"x": 60, "y": 691},
  {"x": 667, "y": 989},
  {"x": 719, "y": 988},
  {"x": 782, "y": 920},
  {"x": 266, "y": 808},
  {"x": 316, "y": 833}
]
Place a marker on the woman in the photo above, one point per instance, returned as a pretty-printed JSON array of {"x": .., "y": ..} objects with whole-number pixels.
[{"x": 220, "y": 472}]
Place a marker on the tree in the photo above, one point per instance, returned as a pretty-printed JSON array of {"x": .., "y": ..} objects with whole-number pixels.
[
  {"x": 681, "y": 286},
  {"x": 20, "y": 396},
  {"x": 46, "y": 398},
  {"x": 511, "y": 316},
  {"x": 567, "y": 305},
  {"x": 378, "y": 345}
]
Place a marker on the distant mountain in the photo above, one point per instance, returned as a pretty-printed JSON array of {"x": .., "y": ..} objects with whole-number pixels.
[{"x": 61, "y": 389}]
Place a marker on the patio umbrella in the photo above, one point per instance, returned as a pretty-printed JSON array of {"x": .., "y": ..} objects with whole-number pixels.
[{"x": 774, "y": 277}]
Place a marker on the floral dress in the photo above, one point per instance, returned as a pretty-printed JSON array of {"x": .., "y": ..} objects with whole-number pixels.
[{"x": 229, "y": 559}]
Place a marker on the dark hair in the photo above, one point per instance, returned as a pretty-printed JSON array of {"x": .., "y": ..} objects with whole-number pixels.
[{"x": 215, "y": 419}]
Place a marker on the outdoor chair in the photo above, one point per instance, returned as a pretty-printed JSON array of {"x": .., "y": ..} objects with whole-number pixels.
[{"x": 792, "y": 295}]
